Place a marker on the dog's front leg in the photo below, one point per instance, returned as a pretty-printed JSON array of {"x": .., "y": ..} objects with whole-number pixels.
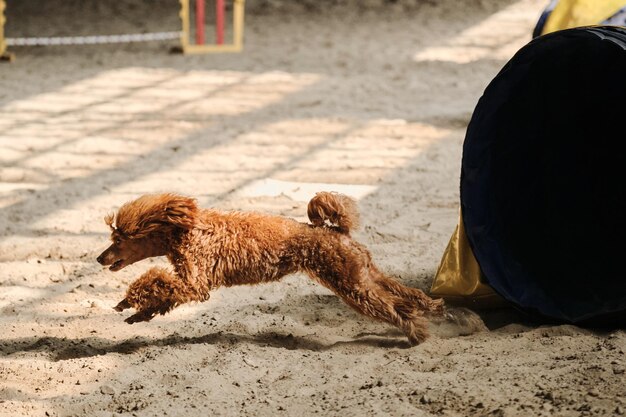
[{"x": 156, "y": 292}]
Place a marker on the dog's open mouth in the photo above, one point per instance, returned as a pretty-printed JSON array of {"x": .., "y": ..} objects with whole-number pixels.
[{"x": 117, "y": 265}]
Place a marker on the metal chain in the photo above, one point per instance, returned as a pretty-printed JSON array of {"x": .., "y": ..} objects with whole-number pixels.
[{"x": 93, "y": 40}]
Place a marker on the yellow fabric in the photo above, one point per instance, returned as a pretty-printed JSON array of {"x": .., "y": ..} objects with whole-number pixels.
[
  {"x": 574, "y": 13},
  {"x": 459, "y": 278}
]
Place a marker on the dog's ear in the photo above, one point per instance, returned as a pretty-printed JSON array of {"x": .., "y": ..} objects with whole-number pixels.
[
  {"x": 180, "y": 211},
  {"x": 151, "y": 213}
]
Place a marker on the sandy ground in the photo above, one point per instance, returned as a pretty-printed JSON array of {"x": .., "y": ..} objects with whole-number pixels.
[{"x": 366, "y": 99}]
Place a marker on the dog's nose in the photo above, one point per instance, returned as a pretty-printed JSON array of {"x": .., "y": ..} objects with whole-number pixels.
[{"x": 99, "y": 259}]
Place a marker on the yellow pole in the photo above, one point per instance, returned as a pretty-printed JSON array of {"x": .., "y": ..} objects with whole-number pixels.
[
  {"x": 3, "y": 44},
  {"x": 184, "y": 17},
  {"x": 238, "y": 10},
  {"x": 4, "y": 55}
]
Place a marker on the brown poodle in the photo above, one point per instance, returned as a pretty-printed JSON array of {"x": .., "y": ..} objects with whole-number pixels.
[{"x": 210, "y": 248}]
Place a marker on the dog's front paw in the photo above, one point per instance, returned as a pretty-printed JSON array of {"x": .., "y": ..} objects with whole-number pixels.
[
  {"x": 122, "y": 305},
  {"x": 144, "y": 315}
]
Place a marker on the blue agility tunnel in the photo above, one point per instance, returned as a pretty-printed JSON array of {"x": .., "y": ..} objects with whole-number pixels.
[{"x": 543, "y": 182}]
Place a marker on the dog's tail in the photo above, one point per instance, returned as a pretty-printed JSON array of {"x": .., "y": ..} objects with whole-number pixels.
[{"x": 340, "y": 211}]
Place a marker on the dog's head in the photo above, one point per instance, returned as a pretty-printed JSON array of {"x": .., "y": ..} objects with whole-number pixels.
[{"x": 142, "y": 228}]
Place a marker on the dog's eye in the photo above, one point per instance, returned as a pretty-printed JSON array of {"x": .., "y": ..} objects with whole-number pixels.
[{"x": 118, "y": 241}]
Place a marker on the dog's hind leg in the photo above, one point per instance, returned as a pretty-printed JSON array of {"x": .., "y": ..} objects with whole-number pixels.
[
  {"x": 157, "y": 291},
  {"x": 360, "y": 292},
  {"x": 429, "y": 305}
]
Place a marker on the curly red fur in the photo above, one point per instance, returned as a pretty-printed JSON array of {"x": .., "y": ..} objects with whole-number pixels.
[
  {"x": 209, "y": 248},
  {"x": 339, "y": 210},
  {"x": 150, "y": 213}
]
